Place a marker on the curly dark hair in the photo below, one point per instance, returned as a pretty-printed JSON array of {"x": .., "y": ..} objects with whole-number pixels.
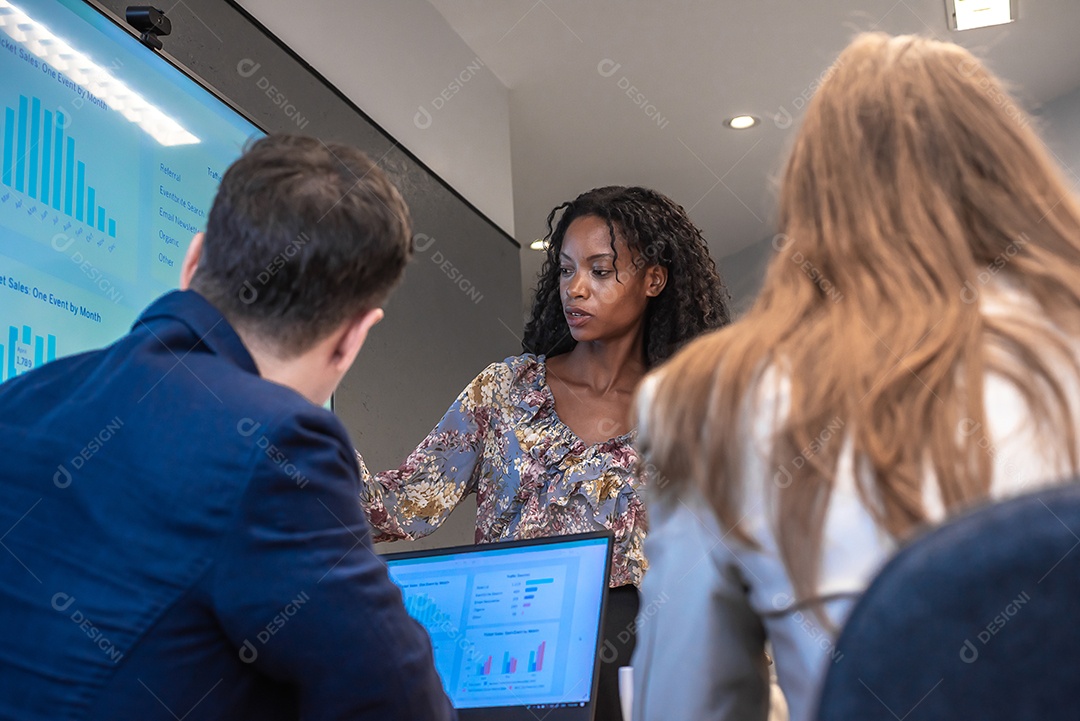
[{"x": 658, "y": 231}]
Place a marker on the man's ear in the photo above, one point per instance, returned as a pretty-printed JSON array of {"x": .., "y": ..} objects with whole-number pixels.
[
  {"x": 352, "y": 338},
  {"x": 655, "y": 280},
  {"x": 191, "y": 261}
]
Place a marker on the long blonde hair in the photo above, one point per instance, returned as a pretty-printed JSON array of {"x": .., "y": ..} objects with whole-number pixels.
[{"x": 913, "y": 180}]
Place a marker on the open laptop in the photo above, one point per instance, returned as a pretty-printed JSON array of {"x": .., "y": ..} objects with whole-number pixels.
[{"x": 515, "y": 626}]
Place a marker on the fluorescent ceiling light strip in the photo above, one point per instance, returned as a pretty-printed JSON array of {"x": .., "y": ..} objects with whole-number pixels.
[{"x": 83, "y": 71}]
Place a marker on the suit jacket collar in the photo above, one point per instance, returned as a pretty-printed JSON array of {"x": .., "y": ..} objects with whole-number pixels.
[{"x": 204, "y": 320}]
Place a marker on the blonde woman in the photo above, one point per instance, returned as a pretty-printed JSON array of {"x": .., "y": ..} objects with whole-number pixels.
[{"x": 913, "y": 351}]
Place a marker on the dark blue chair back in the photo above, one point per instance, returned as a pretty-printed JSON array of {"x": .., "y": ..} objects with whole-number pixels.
[{"x": 978, "y": 619}]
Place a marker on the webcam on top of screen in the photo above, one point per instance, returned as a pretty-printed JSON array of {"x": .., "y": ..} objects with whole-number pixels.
[{"x": 150, "y": 22}]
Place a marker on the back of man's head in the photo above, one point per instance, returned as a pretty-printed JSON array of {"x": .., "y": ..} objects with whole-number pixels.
[{"x": 302, "y": 236}]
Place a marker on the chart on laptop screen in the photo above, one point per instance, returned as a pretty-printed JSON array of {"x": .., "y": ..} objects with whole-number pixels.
[{"x": 509, "y": 628}]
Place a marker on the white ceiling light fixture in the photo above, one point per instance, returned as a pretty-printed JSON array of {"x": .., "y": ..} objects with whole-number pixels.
[
  {"x": 538, "y": 244},
  {"x": 970, "y": 14},
  {"x": 38, "y": 39},
  {"x": 741, "y": 122}
]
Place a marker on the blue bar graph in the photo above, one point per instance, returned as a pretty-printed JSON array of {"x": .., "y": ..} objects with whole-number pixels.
[
  {"x": 35, "y": 163},
  {"x": 13, "y": 340},
  {"x": 44, "y": 350},
  {"x": 80, "y": 189},
  {"x": 70, "y": 177},
  {"x": 20, "y": 150},
  {"x": 424, "y": 609},
  {"x": 35, "y": 137},
  {"x": 9, "y": 144},
  {"x": 15, "y": 356},
  {"x": 46, "y": 157},
  {"x": 533, "y": 585},
  {"x": 58, "y": 150}
]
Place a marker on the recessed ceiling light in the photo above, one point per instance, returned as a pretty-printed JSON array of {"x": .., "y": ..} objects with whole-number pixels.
[
  {"x": 741, "y": 122},
  {"x": 538, "y": 244},
  {"x": 969, "y": 14}
]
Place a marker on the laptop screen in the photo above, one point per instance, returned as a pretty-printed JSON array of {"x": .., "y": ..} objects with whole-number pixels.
[{"x": 515, "y": 626}]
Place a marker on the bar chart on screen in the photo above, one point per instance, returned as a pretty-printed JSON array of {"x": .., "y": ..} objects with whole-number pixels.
[
  {"x": 513, "y": 632},
  {"x": 512, "y": 625},
  {"x": 524, "y": 659},
  {"x": 436, "y": 604},
  {"x": 43, "y": 318},
  {"x": 23, "y": 349},
  {"x": 109, "y": 161},
  {"x": 509, "y": 596},
  {"x": 510, "y": 663},
  {"x": 62, "y": 192},
  {"x": 426, "y": 610},
  {"x": 41, "y": 162}
]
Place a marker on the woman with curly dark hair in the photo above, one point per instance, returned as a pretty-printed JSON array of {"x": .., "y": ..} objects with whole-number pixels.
[
  {"x": 659, "y": 234},
  {"x": 543, "y": 438}
]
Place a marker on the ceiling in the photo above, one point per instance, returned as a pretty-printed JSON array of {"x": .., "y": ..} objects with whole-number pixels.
[{"x": 569, "y": 65}]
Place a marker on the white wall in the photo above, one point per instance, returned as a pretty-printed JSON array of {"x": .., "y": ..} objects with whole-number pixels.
[
  {"x": 1059, "y": 124},
  {"x": 417, "y": 79}
]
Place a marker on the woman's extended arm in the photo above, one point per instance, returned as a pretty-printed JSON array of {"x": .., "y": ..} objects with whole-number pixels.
[{"x": 413, "y": 500}]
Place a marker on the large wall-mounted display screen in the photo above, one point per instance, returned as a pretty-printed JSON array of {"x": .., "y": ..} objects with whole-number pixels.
[{"x": 110, "y": 160}]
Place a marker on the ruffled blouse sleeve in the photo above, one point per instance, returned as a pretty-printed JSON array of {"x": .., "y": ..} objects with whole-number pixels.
[{"x": 413, "y": 500}]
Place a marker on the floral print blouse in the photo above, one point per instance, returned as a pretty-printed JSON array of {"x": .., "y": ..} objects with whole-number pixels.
[{"x": 532, "y": 476}]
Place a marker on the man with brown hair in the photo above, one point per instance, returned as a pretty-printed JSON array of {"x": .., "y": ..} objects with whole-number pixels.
[{"x": 183, "y": 534}]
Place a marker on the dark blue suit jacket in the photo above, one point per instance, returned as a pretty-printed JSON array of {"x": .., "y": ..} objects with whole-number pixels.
[{"x": 180, "y": 538}]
